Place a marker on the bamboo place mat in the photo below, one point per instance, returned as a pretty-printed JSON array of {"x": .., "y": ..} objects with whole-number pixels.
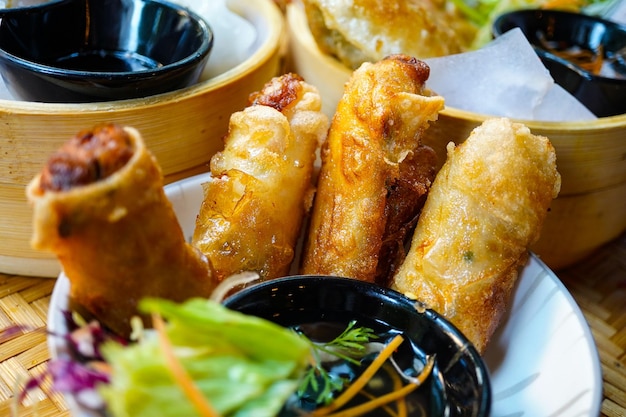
[{"x": 598, "y": 284}]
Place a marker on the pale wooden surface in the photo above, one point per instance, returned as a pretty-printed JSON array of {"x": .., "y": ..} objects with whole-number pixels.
[{"x": 598, "y": 284}]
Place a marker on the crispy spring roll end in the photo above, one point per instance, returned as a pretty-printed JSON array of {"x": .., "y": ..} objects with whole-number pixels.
[{"x": 100, "y": 207}]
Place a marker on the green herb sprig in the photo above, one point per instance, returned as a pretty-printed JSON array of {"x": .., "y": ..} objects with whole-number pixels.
[{"x": 349, "y": 346}]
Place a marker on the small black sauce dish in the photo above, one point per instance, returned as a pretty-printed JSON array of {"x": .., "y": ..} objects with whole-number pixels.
[
  {"x": 77, "y": 51},
  {"x": 585, "y": 55},
  {"x": 13, "y": 7},
  {"x": 459, "y": 384}
]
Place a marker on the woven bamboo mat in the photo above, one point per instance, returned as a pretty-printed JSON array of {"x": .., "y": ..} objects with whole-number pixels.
[
  {"x": 24, "y": 354},
  {"x": 598, "y": 284}
]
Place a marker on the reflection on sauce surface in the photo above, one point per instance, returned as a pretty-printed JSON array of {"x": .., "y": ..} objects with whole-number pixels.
[{"x": 107, "y": 61}]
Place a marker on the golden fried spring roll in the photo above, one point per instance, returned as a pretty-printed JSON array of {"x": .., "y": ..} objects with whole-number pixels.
[
  {"x": 99, "y": 205},
  {"x": 375, "y": 171},
  {"x": 260, "y": 187},
  {"x": 486, "y": 206}
]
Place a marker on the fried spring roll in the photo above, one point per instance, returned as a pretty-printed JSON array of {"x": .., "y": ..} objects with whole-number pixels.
[
  {"x": 260, "y": 187},
  {"x": 99, "y": 205},
  {"x": 486, "y": 206},
  {"x": 375, "y": 172}
]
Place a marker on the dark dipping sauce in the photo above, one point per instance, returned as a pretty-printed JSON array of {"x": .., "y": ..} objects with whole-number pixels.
[
  {"x": 323, "y": 306},
  {"x": 106, "y": 61},
  {"x": 596, "y": 61},
  {"x": 427, "y": 400}
]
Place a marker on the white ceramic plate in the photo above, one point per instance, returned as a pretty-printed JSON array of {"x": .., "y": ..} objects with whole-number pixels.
[{"x": 543, "y": 360}]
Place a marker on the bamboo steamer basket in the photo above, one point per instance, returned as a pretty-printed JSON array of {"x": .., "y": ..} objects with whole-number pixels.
[
  {"x": 591, "y": 156},
  {"x": 183, "y": 129}
]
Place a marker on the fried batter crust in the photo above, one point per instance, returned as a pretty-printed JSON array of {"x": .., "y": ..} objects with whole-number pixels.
[
  {"x": 486, "y": 206},
  {"x": 117, "y": 237},
  {"x": 279, "y": 93},
  {"x": 405, "y": 199},
  {"x": 374, "y": 171},
  {"x": 261, "y": 183}
]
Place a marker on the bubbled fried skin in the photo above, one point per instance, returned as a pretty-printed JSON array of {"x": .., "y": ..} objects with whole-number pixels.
[
  {"x": 261, "y": 183},
  {"x": 279, "y": 93},
  {"x": 485, "y": 208},
  {"x": 365, "y": 201},
  {"x": 115, "y": 233}
]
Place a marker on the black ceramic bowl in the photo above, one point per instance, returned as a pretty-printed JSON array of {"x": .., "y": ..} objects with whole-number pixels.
[
  {"x": 459, "y": 384},
  {"x": 100, "y": 50},
  {"x": 556, "y": 34}
]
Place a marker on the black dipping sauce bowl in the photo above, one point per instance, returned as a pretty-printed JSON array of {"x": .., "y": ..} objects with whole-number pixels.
[
  {"x": 585, "y": 41},
  {"x": 77, "y": 51},
  {"x": 459, "y": 383}
]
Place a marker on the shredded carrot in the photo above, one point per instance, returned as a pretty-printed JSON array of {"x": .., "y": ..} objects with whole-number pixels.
[
  {"x": 385, "y": 407},
  {"x": 387, "y": 398},
  {"x": 362, "y": 380},
  {"x": 180, "y": 375},
  {"x": 361, "y": 409},
  {"x": 400, "y": 402},
  {"x": 397, "y": 384}
]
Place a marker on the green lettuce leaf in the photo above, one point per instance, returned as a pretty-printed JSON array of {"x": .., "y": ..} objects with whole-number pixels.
[{"x": 244, "y": 365}]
